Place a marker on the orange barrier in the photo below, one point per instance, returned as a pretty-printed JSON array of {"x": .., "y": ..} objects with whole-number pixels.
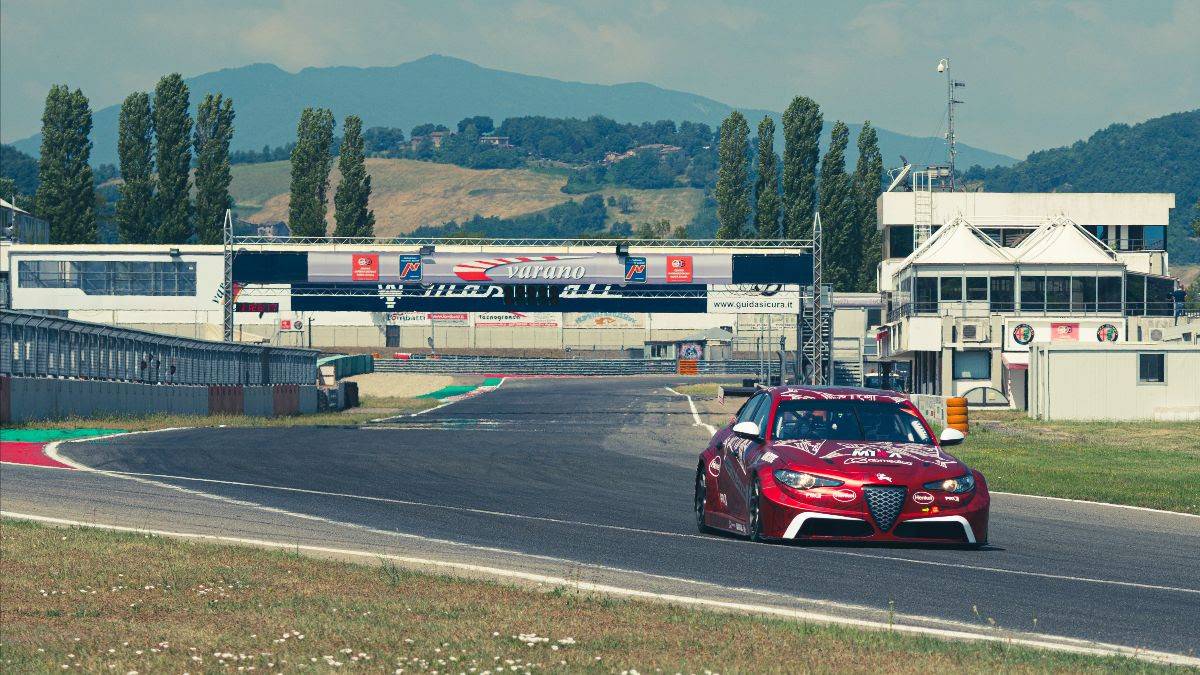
[
  {"x": 956, "y": 414},
  {"x": 286, "y": 399},
  {"x": 226, "y": 399},
  {"x": 687, "y": 367}
]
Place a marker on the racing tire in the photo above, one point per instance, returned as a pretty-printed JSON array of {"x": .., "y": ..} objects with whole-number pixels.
[
  {"x": 754, "y": 511},
  {"x": 700, "y": 500}
]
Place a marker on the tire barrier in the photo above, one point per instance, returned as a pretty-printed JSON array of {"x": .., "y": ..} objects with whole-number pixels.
[{"x": 956, "y": 414}]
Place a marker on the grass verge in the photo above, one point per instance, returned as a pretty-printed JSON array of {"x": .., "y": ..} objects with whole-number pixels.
[
  {"x": 1151, "y": 464},
  {"x": 383, "y": 407},
  {"x": 83, "y": 599},
  {"x": 699, "y": 389}
]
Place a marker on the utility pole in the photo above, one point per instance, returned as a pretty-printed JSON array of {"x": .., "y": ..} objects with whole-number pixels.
[
  {"x": 227, "y": 285},
  {"x": 951, "y": 85}
]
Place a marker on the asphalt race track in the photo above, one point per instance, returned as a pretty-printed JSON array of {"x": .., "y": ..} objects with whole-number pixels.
[{"x": 599, "y": 471}]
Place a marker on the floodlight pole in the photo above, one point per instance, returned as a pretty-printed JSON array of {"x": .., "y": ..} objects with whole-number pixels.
[{"x": 227, "y": 284}]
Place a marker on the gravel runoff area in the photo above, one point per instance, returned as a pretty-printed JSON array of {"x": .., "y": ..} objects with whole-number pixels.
[{"x": 399, "y": 384}]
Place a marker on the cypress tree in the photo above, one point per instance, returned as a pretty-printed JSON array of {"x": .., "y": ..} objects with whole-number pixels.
[
  {"x": 801, "y": 148},
  {"x": 135, "y": 210},
  {"x": 766, "y": 186},
  {"x": 65, "y": 195},
  {"x": 351, "y": 211},
  {"x": 173, "y": 136},
  {"x": 868, "y": 183},
  {"x": 733, "y": 178},
  {"x": 214, "y": 131},
  {"x": 311, "y": 161},
  {"x": 837, "y": 206}
]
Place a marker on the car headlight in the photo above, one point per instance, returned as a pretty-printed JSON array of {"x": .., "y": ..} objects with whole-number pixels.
[
  {"x": 964, "y": 483},
  {"x": 803, "y": 481}
]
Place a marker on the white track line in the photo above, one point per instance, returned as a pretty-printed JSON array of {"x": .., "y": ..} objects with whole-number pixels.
[
  {"x": 695, "y": 415},
  {"x": 1067, "y": 645}
]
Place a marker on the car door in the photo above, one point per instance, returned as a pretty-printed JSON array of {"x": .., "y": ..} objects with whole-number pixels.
[{"x": 733, "y": 484}]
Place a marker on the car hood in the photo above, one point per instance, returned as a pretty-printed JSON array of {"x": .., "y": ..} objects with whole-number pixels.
[{"x": 865, "y": 458}]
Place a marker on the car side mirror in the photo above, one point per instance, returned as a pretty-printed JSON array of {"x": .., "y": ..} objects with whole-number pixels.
[
  {"x": 951, "y": 436},
  {"x": 747, "y": 430}
]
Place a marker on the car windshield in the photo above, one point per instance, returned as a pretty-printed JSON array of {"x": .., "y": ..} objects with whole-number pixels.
[{"x": 821, "y": 420}]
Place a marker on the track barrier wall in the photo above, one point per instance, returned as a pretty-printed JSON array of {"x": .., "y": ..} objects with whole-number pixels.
[
  {"x": 26, "y": 399},
  {"x": 546, "y": 366}
]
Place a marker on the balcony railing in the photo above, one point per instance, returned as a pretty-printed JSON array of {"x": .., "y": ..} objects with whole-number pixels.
[{"x": 982, "y": 309}]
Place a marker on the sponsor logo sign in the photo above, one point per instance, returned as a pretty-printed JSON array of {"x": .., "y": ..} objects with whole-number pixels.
[
  {"x": 517, "y": 319},
  {"x": 1064, "y": 332},
  {"x": 410, "y": 268},
  {"x": 679, "y": 269},
  {"x": 1107, "y": 333},
  {"x": 635, "y": 270},
  {"x": 606, "y": 320},
  {"x": 844, "y": 495},
  {"x": 1023, "y": 334},
  {"x": 690, "y": 350},
  {"x": 772, "y": 299},
  {"x": 285, "y": 324},
  {"x": 922, "y": 498},
  {"x": 364, "y": 267},
  {"x": 451, "y": 318}
]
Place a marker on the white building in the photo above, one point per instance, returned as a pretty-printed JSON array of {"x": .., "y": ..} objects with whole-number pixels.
[{"x": 972, "y": 280}]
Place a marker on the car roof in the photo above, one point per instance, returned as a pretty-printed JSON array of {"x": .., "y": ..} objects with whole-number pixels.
[{"x": 837, "y": 393}]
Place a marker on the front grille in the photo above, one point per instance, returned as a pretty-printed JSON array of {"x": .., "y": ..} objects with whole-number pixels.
[
  {"x": 885, "y": 502},
  {"x": 827, "y": 527},
  {"x": 938, "y": 530}
]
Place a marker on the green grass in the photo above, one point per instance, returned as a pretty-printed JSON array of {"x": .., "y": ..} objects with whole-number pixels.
[
  {"x": 101, "y": 601},
  {"x": 1151, "y": 464},
  {"x": 699, "y": 389}
]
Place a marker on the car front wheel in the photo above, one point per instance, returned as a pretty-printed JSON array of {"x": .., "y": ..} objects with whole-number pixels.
[
  {"x": 755, "y": 533},
  {"x": 701, "y": 500}
]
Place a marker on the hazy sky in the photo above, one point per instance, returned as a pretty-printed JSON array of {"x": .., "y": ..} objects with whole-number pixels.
[{"x": 1039, "y": 74}]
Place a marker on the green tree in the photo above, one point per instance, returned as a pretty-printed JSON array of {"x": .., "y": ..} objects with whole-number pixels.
[
  {"x": 801, "y": 148},
  {"x": 1193, "y": 295},
  {"x": 311, "y": 161},
  {"x": 173, "y": 140},
  {"x": 350, "y": 204},
  {"x": 135, "y": 210},
  {"x": 733, "y": 178},
  {"x": 868, "y": 183},
  {"x": 214, "y": 131},
  {"x": 65, "y": 195},
  {"x": 766, "y": 186},
  {"x": 842, "y": 248}
]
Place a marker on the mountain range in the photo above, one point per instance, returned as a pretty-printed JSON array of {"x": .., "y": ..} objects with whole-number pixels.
[{"x": 442, "y": 89}]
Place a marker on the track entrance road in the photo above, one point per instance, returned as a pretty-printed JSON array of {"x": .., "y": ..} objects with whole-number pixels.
[{"x": 600, "y": 471}]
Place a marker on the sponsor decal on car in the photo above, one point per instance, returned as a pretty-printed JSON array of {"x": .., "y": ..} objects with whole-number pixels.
[
  {"x": 714, "y": 467},
  {"x": 769, "y": 457},
  {"x": 883, "y": 477},
  {"x": 844, "y": 495},
  {"x": 922, "y": 498},
  {"x": 952, "y": 498}
]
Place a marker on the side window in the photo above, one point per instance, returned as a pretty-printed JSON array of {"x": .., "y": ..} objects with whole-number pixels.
[
  {"x": 746, "y": 414},
  {"x": 761, "y": 415}
]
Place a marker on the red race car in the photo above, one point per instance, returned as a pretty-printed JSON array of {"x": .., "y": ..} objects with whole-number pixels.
[{"x": 838, "y": 464}]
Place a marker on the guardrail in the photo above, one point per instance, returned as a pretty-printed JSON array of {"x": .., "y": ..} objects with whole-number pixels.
[
  {"x": 36, "y": 345},
  {"x": 545, "y": 366}
]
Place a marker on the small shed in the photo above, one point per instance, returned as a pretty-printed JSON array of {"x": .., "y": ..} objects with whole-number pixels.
[{"x": 714, "y": 344}]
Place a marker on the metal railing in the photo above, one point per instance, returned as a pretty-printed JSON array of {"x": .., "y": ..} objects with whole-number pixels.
[
  {"x": 36, "y": 345},
  {"x": 542, "y": 241},
  {"x": 492, "y": 365},
  {"x": 981, "y": 308}
]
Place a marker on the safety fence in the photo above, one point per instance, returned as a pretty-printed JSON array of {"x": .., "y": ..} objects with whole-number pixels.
[
  {"x": 36, "y": 345},
  {"x": 547, "y": 366}
]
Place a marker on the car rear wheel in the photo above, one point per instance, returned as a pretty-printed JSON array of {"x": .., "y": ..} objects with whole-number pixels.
[
  {"x": 701, "y": 501},
  {"x": 755, "y": 512}
]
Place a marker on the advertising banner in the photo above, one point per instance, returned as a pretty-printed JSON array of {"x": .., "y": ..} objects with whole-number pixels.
[
  {"x": 763, "y": 299},
  {"x": 605, "y": 320},
  {"x": 491, "y": 298},
  {"x": 523, "y": 268},
  {"x": 407, "y": 318},
  {"x": 1020, "y": 333},
  {"x": 517, "y": 319}
]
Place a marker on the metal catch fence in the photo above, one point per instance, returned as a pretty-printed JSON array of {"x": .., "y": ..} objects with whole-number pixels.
[
  {"x": 548, "y": 366},
  {"x": 35, "y": 345}
]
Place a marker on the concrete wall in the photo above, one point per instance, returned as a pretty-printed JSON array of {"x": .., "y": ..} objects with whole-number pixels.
[
  {"x": 24, "y": 399},
  {"x": 1081, "y": 382}
]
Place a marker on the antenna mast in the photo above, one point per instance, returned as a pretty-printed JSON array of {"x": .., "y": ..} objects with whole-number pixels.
[{"x": 951, "y": 85}]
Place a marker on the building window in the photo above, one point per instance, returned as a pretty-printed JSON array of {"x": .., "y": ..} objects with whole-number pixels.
[
  {"x": 1002, "y": 295},
  {"x": 110, "y": 277},
  {"x": 926, "y": 295},
  {"x": 874, "y": 317},
  {"x": 1033, "y": 294},
  {"x": 1154, "y": 238},
  {"x": 900, "y": 241},
  {"x": 1108, "y": 294},
  {"x": 1135, "y": 294},
  {"x": 1152, "y": 368},
  {"x": 951, "y": 288},
  {"x": 1083, "y": 294},
  {"x": 1159, "y": 301},
  {"x": 973, "y": 364},
  {"x": 1058, "y": 294},
  {"x": 977, "y": 288}
]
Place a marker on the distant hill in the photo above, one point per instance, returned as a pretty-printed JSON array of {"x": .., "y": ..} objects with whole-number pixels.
[
  {"x": 441, "y": 89},
  {"x": 1158, "y": 155},
  {"x": 20, "y": 167},
  {"x": 408, "y": 194}
]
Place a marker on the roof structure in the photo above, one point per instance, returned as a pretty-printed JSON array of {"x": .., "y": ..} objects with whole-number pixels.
[
  {"x": 1061, "y": 241},
  {"x": 959, "y": 243}
]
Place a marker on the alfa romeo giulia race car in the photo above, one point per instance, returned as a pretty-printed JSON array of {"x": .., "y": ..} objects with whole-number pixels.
[{"x": 838, "y": 464}]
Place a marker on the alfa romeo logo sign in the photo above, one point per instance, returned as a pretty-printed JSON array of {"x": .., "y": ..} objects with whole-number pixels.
[
  {"x": 1106, "y": 333},
  {"x": 1022, "y": 334}
]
